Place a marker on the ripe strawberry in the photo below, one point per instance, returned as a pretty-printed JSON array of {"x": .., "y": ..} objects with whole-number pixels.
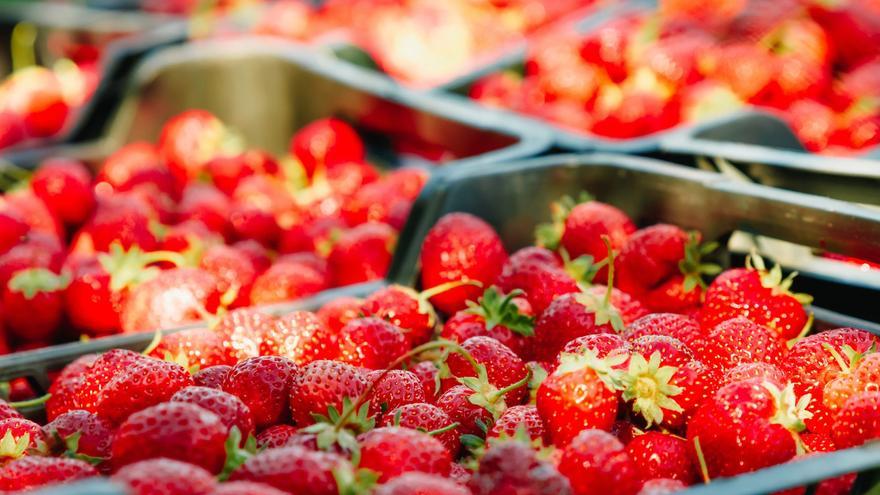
[
  {"x": 602, "y": 344},
  {"x": 386, "y": 200},
  {"x": 287, "y": 281},
  {"x": 174, "y": 297},
  {"x": 79, "y": 432},
  {"x": 579, "y": 395},
  {"x": 245, "y": 488},
  {"x": 20, "y": 437},
  {"x": 324, "y": 144},
  {"x": 539, "y": 274},
  {"x": 421, "y": 483},
  {"x": 404, "y": 307},
  {"x": 362, "y": 254},
  {"x": 65, "y": 186},
  {"x": 300, "y": 336},
  {"x": 12, "y": 229},
  {"x": 7, "y": 411},
  {"x": 371, "y": 343},
  {"x": 471, "y": 418},
  {"x": 314, "y": 235},
  {"x": 227, "y": 171},
  {"x": 131, "y": 164},
  {"x": 293, "y": 470},
  {"x": 206, "y": 204},
  {"x": 122, "y": 218},
  {"x": 746, "y": 371},
  {"x": 746, "y": 68},
  {"x": 747, "y": 426},
  {"x": 276, "y": 436},
  {"x": 393, "y": 389},
  {"x": 428, "y": 418},
  {"x": 263, "y": 383},
  {"x": 504, "y": 370},
  {"x": 189, "y": 140},
  {"x": 607, "y": 46},
  {"x": 525, "y": 418},
  {"x": 321, "y": 384},
  {"x": 338, "y": 312},
  {"x": 660, "y": 455},
  {"x": 681, "y": 327},
  {"x": 392, "y": 451},
  {"x": 212, "y": 376},
  {"x": 740, "y": 340},
  {"x": 242, "y": 332},
  {"x": 512, "y": 467},
  {"x": 233, "y": 269},
  {"x": 229, "y": 408},
  {"x": 757, "y": 294},
  {"x": 493, "y": 316},
  {"x": 193, "y": 348},
  {"x": 142, "y": 383},
  {"x": 63, "y": 391},
  {"x": 597, "y": 463},
  {"x": 460, "y": 247},
  {"x": 30, "y": 473},
  {"x": 165, "y": 476},
  {"x": 571, "y": 316},
  {"x": 428, "y": 374},
  {"x": 857, "y": 421},
  {"x": 250, "y": 222},
  {"x": 346, "y": 179},
  {"x": 34, "y": 303},
  {"x": 176, "y": 430},
  {"x": 189, "y": 238}
]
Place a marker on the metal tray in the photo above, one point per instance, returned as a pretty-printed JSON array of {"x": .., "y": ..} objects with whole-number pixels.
[{"x": 125, "y": 38}]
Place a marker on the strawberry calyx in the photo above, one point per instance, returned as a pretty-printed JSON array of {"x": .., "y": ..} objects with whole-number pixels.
[
  {"x": 354, "y": 481},
  {"x": 236, "y": 453},
  {"x": 772, "y": 279},
  {"x": 342, "y": 427},
  {"x": 848, "y": 358},
  {"x": 497, "y": 310},
  {"x": 605, "y": 368},
  {"x": 549, "y": 234},
  {"x": 692, "y": 266},
  {"x": 71, "y": 444},
  {"x": 32, "y": 281},
  {"x": 183, "y": 360},
  {"x": 487, "y": 395},
  {"x": 477, "y": 446},
  {"x": 539, "y": 374},
  {"x": 128, "y": 268},
  {"x": 582, "y": 269},
  {"x": 791, "y": 411},
  {"x": 647, "y": 384},
  {"x": 604, "y": 311},
  {"x": 13, "y": 447}
]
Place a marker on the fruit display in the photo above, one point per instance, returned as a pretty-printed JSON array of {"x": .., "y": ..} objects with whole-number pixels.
[
  {"x": 192, "y": 226},
  {"x": 644, "y": 71},
  {"x": 606, "y": 357}
]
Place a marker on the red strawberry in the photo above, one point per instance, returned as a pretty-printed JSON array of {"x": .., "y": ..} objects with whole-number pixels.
[
  {"x": 316, "y": 235},
  {"x": 20, "y": 437},
  {"x": 122, "y": 218},
  {"x": 34, "y": 303},
  {"x": 571, "y": 316},
  {"x": 189, "y": 237},
  {"x": 7, "y": 411},
  {"x": 249, "y": 222},
  {"x": 242, "y": 332},
  {"x": 64, "y": 391},
  {"x": 12, "y": 229},
  {"x": 427, "y": 372},
  {"x": 65, "y": 186},
  {"x": 511, "y": 467},
  {"x": 229, "y": 408},
  {"x": 142, "y": 383},
  {"x": 747, "y": 426},
  {"x": 857, "y": 421},
  {"x": 757, "y": 294},
  {"x": 681, "y": 327},
  {"x": 538, "y": 273},
  {"x": 80, "y": 432},
  {"x": 362, "y": 253},
  {"x": 371, "y": 343},
  {"x": 164, "y": 477},
  {"x": 336, "y": 313},
  {"x": 263, "y": 383},
  {"x": 30, "y": 473},
  {"x": 206, "y": 204},
  {"x": 287, "y": 281},
  {"x": 460, "y": 247},
  {"x": 471, "y": 418},
  {"x": 602, "y": 344},
  {"x": 346, "y": 179},
  {"x": 172, "y": 298},
  {"x": 607, "y": 46},
  {"x": 813, "y": 122},
  {"x": 494, "y": 316},
  {"x": 233, "y": 269},
  {"x": 34, "y": 213},
  {"x": 740, "y": 340},
  {"x": 38, "y": 96},
  {"x": 194, "y": 348},
  {"x": 176, "y": 430},
  {"x": 136, "y": 164},
  {"x": 525, "y": 418},
  {"x": 300, "y": 336},
  {"x": 659, "y": 455},
  {"x": 393, "y": 389},
  {"x": 189, "y": 140},
  {"x": 321, "y": 384},
  {"x": 276, "y": 436},
  {"x": 747, "y": 371},
  {"x": 326, "y": 143},
  {"x": 212, "y": 376},
  {"x": 421, "y": 483},
  {"x": 634, "y": 111},
  {"x": 428, "y": 418},
  {"x": 227, "y": 171},
  {"x": 245, "y": 488},
  {"x": 404, "y": 307},
  {"x": 293, "y": 470},
  {"x": 392, "y": 451},
  {"x": 597, "y": 463},
  {"x": 746, "y": 68},
  {"x": 504, "y": 370},
  {"x": 579, "y": 395}
]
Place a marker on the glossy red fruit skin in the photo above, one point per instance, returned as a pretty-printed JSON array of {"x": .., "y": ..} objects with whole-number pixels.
[
  {"x": 739, "y": 340},
  {"x": 173, "y": 298},
  {"x": 393, "y": 389},
  {"x": 12, "y": 229},
  {"x": 503, "y": 366},
  {"x": 90, "y": 304},
  {"x": 232, "y": 268},
  {"x": 400, "y": 306},
  {"x": 603, "y": 344},
  {"x": 276, "y": 436},
  {"x": 188, "y": 141},
  {"x": 96, "y": 433},
  {"x": 336, "y": 313},
  {"x": 287, "y": 281},
  {"x": 661, "y": 486},
  {"x": 362, "y": 254},
  {"x": 747, "y": 371},
  {"x": 564, "y": 320},
  {"x": 121, "y": 218},
  {"x": 300, "y": 336},
  {"x": 425, "y": 417},
  {"x": 456, "y": 403},
  {"x": 229, "y": 408},
  {"x": 459, "y": 247},
  {"x": 245, "y": 488},
  {"x": 143, "y": 383},
  {"x": 165, "y": 477},
  {"x": 515, "y": 418},
  {"x": 7, "y": 411},
  {"x": 464, "y": 325},
  {"x": 649, "y": 257},
  {"x": 321, "y": 384},
  {"x": 542, "y": 282},
  {"x": 199, "y": 347},
  {"x": 392, "y": 451},
  {"x": 32, "y": 472},
  {"x": 176, "y": 430},
  {"x": 19, "y": 427},
  {"x": 32, "y": 319},
  {"x": 427, "y": 372},
  {"x": 421, "y": 483},
  {"x": 561, "y": 403},
  {"x": 292, "y": 470},
  {"x": 597, "y": 463},
  {"x": 512, "y": 467},
  {"x": 371, "y": 343},
  {"x": 857, "y": 421},
  {"x": 62, "y": 392},
  {"x": 325, "y": 143},
  {"x": 659, "y": 455},
  {"x": 65, "y": 186},
  {"x": 681, "y": 327},
  {"x": 588, "y": 222},
  {"x": 212, "y": 376},
  {"x": 242, "y": 332},
  {"x": 263, "y": 383}
]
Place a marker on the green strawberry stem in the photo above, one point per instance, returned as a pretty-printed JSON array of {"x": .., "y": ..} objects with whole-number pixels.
[
  {"x": 498, "y": 394},
  {"x": 447, "y": 286},
  {"x": 154, "y": 343},
  {"x": 438, "y": 431},
  {"x": 31, "y": 402},
  {"x": 607, "y": 301},
  {"x": 704, "y": 470},
  {"x": 23, "y": 41}
]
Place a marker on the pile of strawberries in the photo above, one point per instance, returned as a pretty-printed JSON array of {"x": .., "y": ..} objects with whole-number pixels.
[
  {"x": 190, "y": 227},
  {"x": 812, "y": 63},
  {"x": 596, "y": 362}
]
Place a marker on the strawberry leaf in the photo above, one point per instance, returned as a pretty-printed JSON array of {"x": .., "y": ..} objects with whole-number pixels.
[{"x": 497, "y": 310}]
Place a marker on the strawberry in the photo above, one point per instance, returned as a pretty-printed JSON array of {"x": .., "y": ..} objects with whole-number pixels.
[
  {"x": 174, "y": 297},
  {"x": 371, "y": 343},
  {"x": 233, "y": 269},
  {"x": 597, "y": 463},
  {"x": 857, "y": 421},
  {"x": 34, "y": 303},
  {"x": 571, "y": 316},
  {"x": 421, "y": 483},
  {"x": 245, "y": 488},
  {"x": 242, "y": 332},
  {"x": 859, "y": 375},
  {"x": 392, "y": 451},
  {"x": 511, "y": 467},
  {"x": 176, "y": 430},
  {"x": 276, "y": 436},
  {"x": 38, "y": 96},
  {"x": 660, "y": 455},
  {"x": 602, "y": 344},
  {"x": 525, "y": 418},
  {"x": 607, "y": 46},
  {"x": 681, "y": 327},
  {"x": 63, "y": 391},
  {"x": 338, "y": 312},
  {"x": 746, "y": 426},
  {"x": 471, "y": 418},
  {"x": 65, "y": 186},
  {"x": 293, "y": 470},
  {"x": 499, "y": 89},
  {"x": 269, "y": 194},
  {"x": 142, "y": 383},
  {"x": 37, "y": 251},
  {"x": 739, "y": 340},
  {"x": 122, "y": 218},
  {"x": 20, "y": 437},
  {"x": 300, "y": 336},
  {"x": 504, "y": 370},
  {"x": 249, "y": 222},
  {"x": 325, "y": 143},
  {"x": 193, "y": 348},
  {"x": 539, "y": 274},
  {"x": 386, "y": 200},
  {"x": 460, "y": 247},
  {"x": 165, "y": 476},
  {"x": 428, "y": 418},
  {"x": 80, "y": 433},
  {"x": 757, "y": 294},
  {"x": 135, "y": 164},
  {"x": 347, "y": 178},
  {"x": 263, "y": 383},
  {"x": 316, "y": 235},
  {"x": 362, "y": 254},
  {"x": 12, "y": 229},
  {"x": 229, "y": 408},
  {"x": 321, "y": 384},
  {"x": 189, "y": 140},
  {"x": 227, "y": 171},
  {"x": 493, "y": 316},
  {"x": 578, "y": 395},
  {"x": 30, "y": 473},
  {"x": 746, "y": 371},
  {"x": 34, "y": 213},
  {"x": 212, "y": 376},
  {"x": 206, "y": 204},
  {"x": 287, "y": 281},
  {"x": 393, "y": 389},
  {"x": 407, "y": 309},
  {"x": 7, "y": 411},
  {"x": 428, "y": 374}
]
